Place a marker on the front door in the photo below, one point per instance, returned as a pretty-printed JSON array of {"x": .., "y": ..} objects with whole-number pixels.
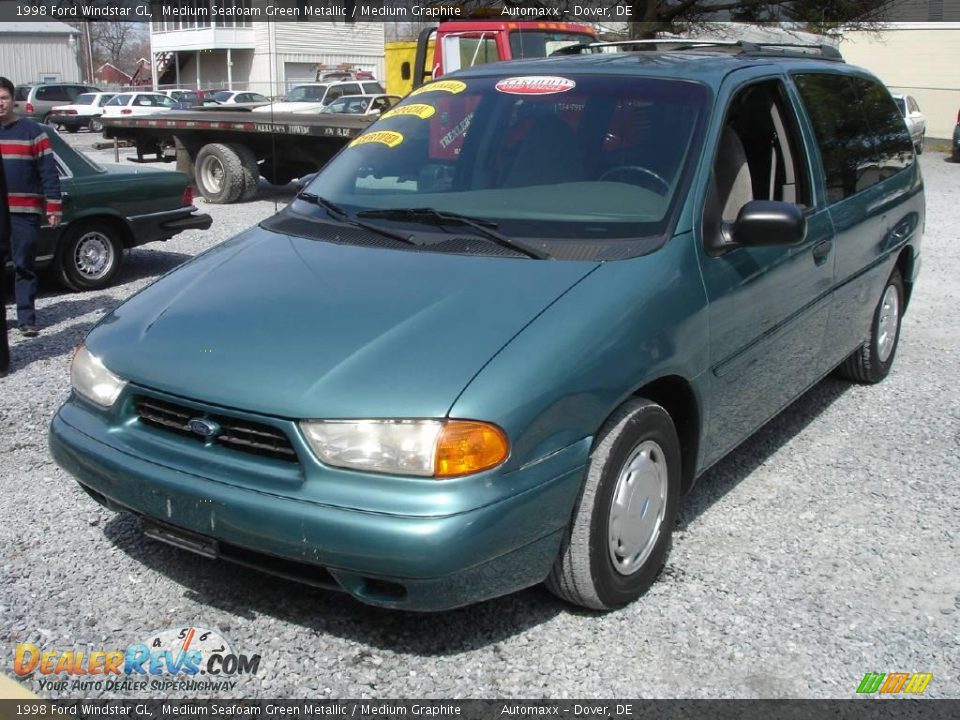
[{"x": 768, "y": 306}]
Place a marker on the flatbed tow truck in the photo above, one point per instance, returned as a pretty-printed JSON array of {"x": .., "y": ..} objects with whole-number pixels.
[{"x": 226, "y": 152}]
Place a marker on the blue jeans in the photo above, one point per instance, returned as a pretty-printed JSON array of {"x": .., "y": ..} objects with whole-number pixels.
[{"x": 24, "y": 233}]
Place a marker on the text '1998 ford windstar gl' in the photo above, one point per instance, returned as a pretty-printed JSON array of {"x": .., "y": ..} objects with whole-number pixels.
[{"x": 499, "y": 336}]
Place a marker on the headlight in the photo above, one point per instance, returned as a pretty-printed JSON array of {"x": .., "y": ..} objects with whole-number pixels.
[
  {"x": 90, "y": 378},
  {"x": 426, "y": 448}
]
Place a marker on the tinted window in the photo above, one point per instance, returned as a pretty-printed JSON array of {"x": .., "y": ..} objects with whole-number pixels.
[
  {"x": 306, "y": 93},
  {"x": 604, "y": 159},
  {"x": 373, "y": 88},
  {"x": 22, "y": 92},
  {"x": 104, "y": 99},
  {"x": 53, "y": 93},
  {"x": 540, "y": 43},
  {"x": 890, "y": 134},
  {"x": 86, "y": 99},
  {"x": 843, "y": 135},
  {"x": 901, "y": 105}
]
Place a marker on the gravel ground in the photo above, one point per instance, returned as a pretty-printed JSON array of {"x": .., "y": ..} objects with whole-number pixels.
[{"x": 824, "y": 548}]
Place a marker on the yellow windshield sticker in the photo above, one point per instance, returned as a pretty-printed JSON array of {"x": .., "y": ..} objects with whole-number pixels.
[
  {"x": 421, "y": 111},
  {"x": 384, "y": 137},
  {"x": 450, "y": 86}
]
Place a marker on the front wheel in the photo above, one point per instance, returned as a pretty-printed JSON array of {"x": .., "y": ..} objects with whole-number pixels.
[
  {"x": 620, "y": 534},
  {"x": 871, "y": 362},
  {"x": 219, "y": 173},
  {"x": 89, "y": 256}
]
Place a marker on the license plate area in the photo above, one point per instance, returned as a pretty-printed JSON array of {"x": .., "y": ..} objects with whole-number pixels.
[{"x": 183, "y": 539}]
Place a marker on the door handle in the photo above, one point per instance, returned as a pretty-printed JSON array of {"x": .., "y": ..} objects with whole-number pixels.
[{"x": 821, "y": 251}]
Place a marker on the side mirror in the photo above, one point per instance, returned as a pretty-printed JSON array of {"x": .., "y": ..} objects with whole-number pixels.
[{"x": 766, "y": 222}]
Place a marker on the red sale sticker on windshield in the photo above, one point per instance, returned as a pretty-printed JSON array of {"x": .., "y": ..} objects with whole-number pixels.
[{"x": 535, "y": 85}]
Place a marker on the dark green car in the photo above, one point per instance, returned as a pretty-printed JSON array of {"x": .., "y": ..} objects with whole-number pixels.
[{"x": 107, "y": 209}]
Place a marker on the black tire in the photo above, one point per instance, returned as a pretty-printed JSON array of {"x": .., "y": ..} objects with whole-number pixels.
[
  {"x": 251, "y": 171},
  {"x": 96, "y": 125},
  {"x": 89, "y": 255},
  {"x": 219, "y": 174},
  {"x": 871, "y": 362},
  {"x": 46, "y": 119},
  {"x": 71, "y": 128},
  {"x": 919, "y": 147},
  {"x": 585, "y": 572}
]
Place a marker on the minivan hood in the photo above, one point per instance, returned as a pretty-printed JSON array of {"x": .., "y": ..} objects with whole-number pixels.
[{"x": 303, "y": 328}]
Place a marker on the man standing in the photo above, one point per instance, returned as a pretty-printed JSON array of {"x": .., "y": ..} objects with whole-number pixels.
[
  {"x": 33, "y": 186},
  {"x": 4, "y": 248}
]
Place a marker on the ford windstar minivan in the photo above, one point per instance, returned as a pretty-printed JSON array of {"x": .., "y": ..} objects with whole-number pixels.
[{"x": 498, "y": 337}]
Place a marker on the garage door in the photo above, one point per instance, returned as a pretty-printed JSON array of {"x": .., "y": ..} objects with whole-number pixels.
[{"x": 299, "y": 73}]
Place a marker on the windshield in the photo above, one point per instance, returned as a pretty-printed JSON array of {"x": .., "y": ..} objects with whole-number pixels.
[
  {"x": 559, "y": 159},
  {"x": 901, "y": 104},
  {"x": 306, "y": 93},
  {"x": 541, "y": 43}
]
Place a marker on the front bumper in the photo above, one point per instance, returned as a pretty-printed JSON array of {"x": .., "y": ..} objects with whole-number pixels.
[
  {"x": 412, "y": 561},
  {"x": 164, "y": 225}
]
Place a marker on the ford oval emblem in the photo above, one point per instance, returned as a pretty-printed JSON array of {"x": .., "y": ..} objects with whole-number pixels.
[{"x": 203, "y": 428}]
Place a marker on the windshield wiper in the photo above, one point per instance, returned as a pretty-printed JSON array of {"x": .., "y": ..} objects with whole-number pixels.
[
  {"x": 482, "y": 227},
  {"x": 341, "y": 215}
]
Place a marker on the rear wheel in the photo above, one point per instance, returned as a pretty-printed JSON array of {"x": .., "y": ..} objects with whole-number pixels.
[
  {"x": 96, "y": 125},
  {"x": 89, "y": 255},
  {"x": 620, "y": 534},
  {"x": 871, "y": 362},
  {"x": 219, "y": 173},
  {"x": 251, "y": 171}
]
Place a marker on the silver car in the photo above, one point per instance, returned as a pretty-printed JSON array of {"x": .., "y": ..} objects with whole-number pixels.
[{"x": 916, "y": 122}]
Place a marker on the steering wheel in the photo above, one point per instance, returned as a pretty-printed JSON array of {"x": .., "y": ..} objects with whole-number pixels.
[{"x": 662, "y": 187}]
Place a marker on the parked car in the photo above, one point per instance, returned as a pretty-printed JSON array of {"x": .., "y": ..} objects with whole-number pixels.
[
  {"x": 313, "y": 96},
  {"x": 183, "y": 99},
  {"x": 84, "y": 112},
  {"x": 916, "y": 122},
  {"x": 956, "y": 140},
  {"x": 137, "y": 103},
  {"x": 369, "y": 105},
  {"x": 108, "y": 209},
  {"x": 37, "y": 101},
  {"x": 239, "y": 97},
  {"x": 497, "y": 338}
]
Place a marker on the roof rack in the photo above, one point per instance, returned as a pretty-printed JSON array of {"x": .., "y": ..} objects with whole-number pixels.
[{"x": 760, "y": 49}]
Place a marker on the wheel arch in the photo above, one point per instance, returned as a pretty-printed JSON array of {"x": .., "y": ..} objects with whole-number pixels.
[
  {"x": 677, "y": 396},
  {"x": 117, "y": 222}
]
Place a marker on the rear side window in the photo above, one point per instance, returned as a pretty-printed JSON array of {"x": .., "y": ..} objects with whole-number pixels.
[
  {"x": 22, "y": 92},
  {"x": 890, "y": 134},
  {"x": 54, "y": 93},
  {"x": 860, "y": 130}
]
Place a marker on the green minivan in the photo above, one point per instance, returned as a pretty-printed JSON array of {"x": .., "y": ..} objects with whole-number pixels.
[{"x": 500, "y": 335}]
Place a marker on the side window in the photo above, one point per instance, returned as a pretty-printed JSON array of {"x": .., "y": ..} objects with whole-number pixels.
[
  {"x": 913, "y": 104},
  {"x": 843, "y": 135},
  {"x": 117, "y": 100},
  {"x": 760, "y": 154},
  {"x": 894, "y": 148},
  {"x": 374, "y": 88},
  {"x": 45, "y": 93},
  {"x": 351, "y": 89}
]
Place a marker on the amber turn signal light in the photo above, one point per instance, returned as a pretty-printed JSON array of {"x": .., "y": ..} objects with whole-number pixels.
[{"x": 468, "y": 446}]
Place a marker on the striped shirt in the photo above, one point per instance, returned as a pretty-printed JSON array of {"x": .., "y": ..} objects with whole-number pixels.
[{"x": 33, "y": 184}]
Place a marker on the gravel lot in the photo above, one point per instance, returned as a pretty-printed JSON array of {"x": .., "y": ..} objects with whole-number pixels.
[{"x": 827, "y": 546}]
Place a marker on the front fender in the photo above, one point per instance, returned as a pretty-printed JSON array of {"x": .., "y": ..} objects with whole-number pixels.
[{"x": 624, "y": 325}]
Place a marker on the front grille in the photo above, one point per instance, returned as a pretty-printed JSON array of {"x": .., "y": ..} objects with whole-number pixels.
[{"x": 235, "y": 433}]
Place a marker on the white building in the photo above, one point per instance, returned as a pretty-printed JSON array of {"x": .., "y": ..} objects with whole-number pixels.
[
  {"x": 265, "y": 57},
  {"x": 33, "y": 52}
]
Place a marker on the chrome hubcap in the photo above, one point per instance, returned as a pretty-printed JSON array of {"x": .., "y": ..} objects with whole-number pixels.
[
  {"x": 93, "y": 257},
  {"x": 887, "y": 325},
  {"x": 639, "y": 504},
  {"x": 212, "y": 174}
]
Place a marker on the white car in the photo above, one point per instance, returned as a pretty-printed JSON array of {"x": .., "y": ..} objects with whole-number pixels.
[
  {"x": 916, "y": 122},
  {"x": 137, "y": 103},
  {"x": 368, "y": 105},
  {"x": 85, "y": 111},
  {"x": 239, "y": 97},
  {"x": 314, "y": 96}
]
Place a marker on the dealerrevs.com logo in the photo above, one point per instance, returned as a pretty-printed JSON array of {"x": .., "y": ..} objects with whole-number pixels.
[{"x": 189, "y": 658}]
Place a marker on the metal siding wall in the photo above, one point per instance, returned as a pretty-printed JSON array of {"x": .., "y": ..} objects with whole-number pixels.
[{"x": 24, "y": 57}]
